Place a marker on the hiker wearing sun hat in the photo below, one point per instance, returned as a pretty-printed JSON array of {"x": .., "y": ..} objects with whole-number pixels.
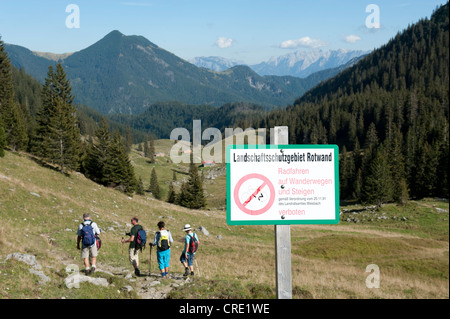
[{"x": 190, "y": 248}]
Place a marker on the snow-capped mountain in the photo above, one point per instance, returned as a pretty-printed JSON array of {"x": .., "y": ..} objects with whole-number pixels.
[
  {"x": 303, "y": 63},
  {"x": 299, "y": 64},
  {"x": 214, "y": 63}
]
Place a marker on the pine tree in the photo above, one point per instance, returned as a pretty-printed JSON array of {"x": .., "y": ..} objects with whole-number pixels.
[
  {"x": 140, "y": 187},
  {"x": 171, "y": 196},
  {"x": 377, "y": 187},
  {"x": 146, "y": 148},
  {"x": 10, "y": 111},
  {"x": 107, "y": 161},
  {"x": 154, "y": 186},
  {"x": 57, "y": 133},
  {"x": 151, "y": 149},
  {"x": 98, "y": 154},
  {"x": 119, "y": 170},
  {"x": 192, "y": 195},
  {"x": 2, "y": 140}
]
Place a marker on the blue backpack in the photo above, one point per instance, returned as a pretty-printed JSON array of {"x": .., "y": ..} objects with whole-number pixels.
[{"x": 88, "y": 235}]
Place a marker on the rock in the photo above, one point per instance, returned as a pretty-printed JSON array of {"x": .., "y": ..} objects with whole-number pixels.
[
  {"x": 219, "y": 237},
  {"x": 75, "y": 279},
  {"x": 26, "y": 258},
  {"x": 203, "y": 230},
  {"x": 40, "y": 273},
  {"x": 127, "y": 288},
  {"x": 35, "y": 194},
  {"x": 154, "y": 283}
]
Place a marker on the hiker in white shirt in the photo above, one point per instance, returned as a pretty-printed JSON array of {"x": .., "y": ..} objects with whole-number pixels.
[{"x": 88, "y": 250}]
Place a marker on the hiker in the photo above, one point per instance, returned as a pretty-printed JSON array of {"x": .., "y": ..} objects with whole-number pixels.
[
  {"x": 163, "y": 240},
  {"x": 135, "y": 247},
  {"x": 187, "y": 256},
  {"x": 87, "y": 232}
]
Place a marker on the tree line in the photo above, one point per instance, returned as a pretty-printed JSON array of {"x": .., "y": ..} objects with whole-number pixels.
[
  {"x": 43, "y": 120},
  {"x": 388, "y": 114}
]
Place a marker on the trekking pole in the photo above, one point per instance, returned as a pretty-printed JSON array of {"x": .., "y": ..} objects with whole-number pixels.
[
  {"x": 150, "y": 265},
  {"x": 122, "y": 246},
  {"x": 198, "y": 269}
]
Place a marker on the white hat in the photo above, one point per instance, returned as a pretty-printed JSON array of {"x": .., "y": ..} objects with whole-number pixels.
[{"x": 187, "y": 227}]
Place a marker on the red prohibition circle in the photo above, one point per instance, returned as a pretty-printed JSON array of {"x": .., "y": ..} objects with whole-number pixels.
[{"x": 264, "y": 182}]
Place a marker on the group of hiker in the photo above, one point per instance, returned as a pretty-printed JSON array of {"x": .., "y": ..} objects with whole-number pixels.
[{"x": 88, "y": 235}]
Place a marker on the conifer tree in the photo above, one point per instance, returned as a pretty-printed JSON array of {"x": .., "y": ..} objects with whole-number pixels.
[
  {"x": 377, "y": 187},
  {"x": 107, "y": 161},
  {"x": 119, "y": 169},
  {"x": 98, "y": 154},
  {"x": 57, "y": 133},
  {"x": 146, "y": 148},
  {"x": 140, "y": 187},
  {"x": 151, "y": 149},
  {"x": 2, "y": 140},
  {"x": 10, "y": 111},
  {"x": 171, "y": 196},
  {"x": 154, "y": 186},
  {"x": 192, "y": 195}
]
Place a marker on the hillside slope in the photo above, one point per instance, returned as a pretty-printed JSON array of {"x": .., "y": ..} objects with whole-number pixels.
[{"x": 327, "y": 261}]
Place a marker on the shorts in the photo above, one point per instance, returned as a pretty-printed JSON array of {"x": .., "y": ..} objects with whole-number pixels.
[
  {"x": 134, "y": 257},
  {"x": 190, "y": 258},
  {"x": 163, "y": 258},
  {"x": 89, "y": 252}
]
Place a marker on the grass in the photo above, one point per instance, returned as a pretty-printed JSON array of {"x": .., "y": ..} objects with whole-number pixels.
[{"x": 328, "y": 261}]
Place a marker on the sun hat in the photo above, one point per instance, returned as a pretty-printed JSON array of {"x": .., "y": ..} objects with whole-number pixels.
[{"x": 187, "y": 227}]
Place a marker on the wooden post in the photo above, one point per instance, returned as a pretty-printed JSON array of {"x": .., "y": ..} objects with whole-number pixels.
[{"x": 283, "y": 237}]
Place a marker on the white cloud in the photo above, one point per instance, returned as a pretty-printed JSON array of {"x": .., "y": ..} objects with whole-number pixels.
[
  {"x": 223, "y": 42},
  {"x": 351, "y": 38},
  {"x": 305, "y": 42}
]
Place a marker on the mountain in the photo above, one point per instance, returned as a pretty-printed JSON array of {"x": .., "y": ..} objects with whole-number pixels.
[
  {"x": 127, "y": 74},
  {"x": 304, "y": 63},
  {"x": 214, "y": 63}
]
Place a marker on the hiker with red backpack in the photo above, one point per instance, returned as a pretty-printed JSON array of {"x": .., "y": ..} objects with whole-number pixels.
[
  {"x": 163, "y": 240},
  {"x": 190, "y": 248},
  {"x": 137, "y": 240},
  {"x": 88, "y": 232}
]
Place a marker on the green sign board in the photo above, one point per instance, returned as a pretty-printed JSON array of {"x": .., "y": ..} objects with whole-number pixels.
[{"x": 282, "y": 184}]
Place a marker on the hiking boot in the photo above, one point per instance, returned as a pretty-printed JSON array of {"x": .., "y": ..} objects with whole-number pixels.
[
  {"x": 92, "y": 270},
  {"x": 137, "y": 272},
  {"x": 192, "y": 273},
  {"x": 186, "y": 273},
  {"x": 87, "y": 272}
]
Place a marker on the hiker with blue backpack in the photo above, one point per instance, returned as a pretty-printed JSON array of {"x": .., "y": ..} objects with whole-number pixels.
[
  {"x": 137, "y": 240},
  {"x": 163, "y": 240},
  {"x": 190, "y": 248},
  {"x": 88, "y": 232}
]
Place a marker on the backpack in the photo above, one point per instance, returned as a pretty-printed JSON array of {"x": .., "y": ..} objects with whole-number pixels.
[
  {"x": 163, "y": 243},
  {"x": 99, "y": 242},
  {"x": 88, "y": 236},
  {"x": 193, "y": 244},
  {"x": 141, "y": 239}
]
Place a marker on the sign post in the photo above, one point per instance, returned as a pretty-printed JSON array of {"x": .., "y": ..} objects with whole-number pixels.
[
  {"x": 283, "y": 238},
  {"x": 282, "y": 185}
]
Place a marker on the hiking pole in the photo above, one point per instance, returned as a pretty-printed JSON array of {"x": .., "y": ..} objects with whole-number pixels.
[
  {"x": 198, "y": 269},
  {"x": 122, "y": 246},
  {"x": 150, "y": 265}
]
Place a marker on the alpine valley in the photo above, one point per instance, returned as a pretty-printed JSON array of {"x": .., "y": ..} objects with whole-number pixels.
[{"x": 126, "y": 74}]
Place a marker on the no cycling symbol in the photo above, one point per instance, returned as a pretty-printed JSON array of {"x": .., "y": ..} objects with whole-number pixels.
[{"x": 254, "y": 194}]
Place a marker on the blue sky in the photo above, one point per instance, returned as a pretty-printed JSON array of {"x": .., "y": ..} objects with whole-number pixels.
[{"x": 250, "y": 31}]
